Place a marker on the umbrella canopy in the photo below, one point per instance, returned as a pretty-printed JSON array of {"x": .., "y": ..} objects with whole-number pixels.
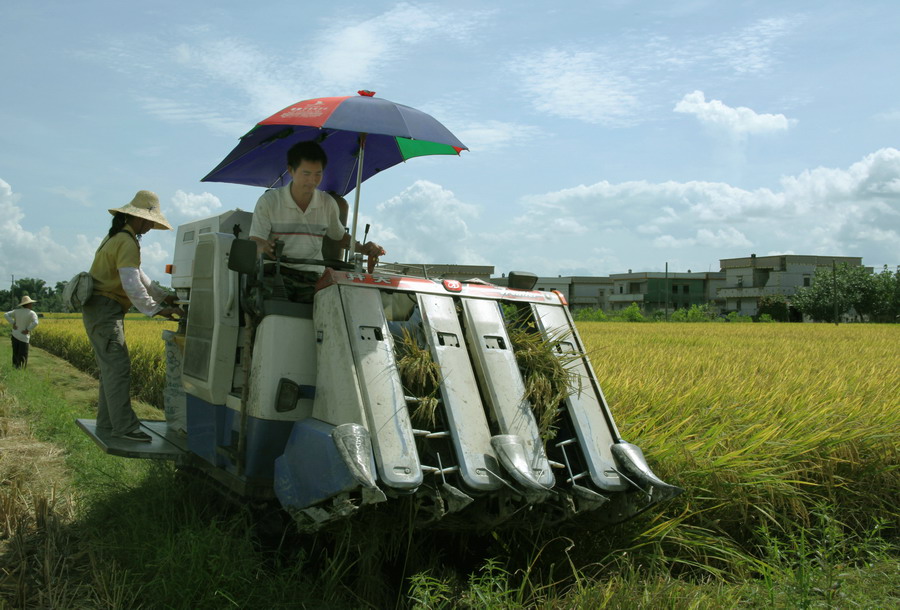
[{"x": 390, "y": 133}]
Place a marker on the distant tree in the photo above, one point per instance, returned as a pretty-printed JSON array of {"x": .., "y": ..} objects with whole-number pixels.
[
  {"x": 696, "y": 313},
  {"x": 775, "y": 306},
  {"x": 587, "y": 314},
  {"x": 887, "y": 295},
  {"x": 632, "y": 313},
  {"x": 49, "y": 299},
  {"x": 856, "y": 292},
  {"x": 33, "y": 287}
]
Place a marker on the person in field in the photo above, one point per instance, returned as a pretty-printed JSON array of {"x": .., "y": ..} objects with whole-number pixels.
[
  {"x": 23, "y": 320},
  {"x": 120, "y": 284}
]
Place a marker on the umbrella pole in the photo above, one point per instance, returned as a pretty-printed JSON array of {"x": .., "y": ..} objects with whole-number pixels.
[{"x": 359, "y": 171}]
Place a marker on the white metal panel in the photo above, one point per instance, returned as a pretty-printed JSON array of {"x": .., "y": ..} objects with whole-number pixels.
[
  {"x": 338, "y": 396},
  {"x": 187, "y": 236},
  {"x": 285, "y": 347},
  {"x": 459, "y": 392},
  {"x": 594, "y": 427},
  {"x": 501, "y": 381},
  {"x": 369, "y": 348},
  {"x": 213, "y": 318}
]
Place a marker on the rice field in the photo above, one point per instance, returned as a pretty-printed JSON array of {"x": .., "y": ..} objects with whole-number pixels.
[
  {"x": 759, "y": 422},
  {"x": 785, "y": 437},
  {"x": 63, "y": 335}
]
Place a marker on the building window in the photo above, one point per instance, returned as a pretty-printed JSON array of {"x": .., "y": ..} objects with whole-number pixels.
[
  {"x": 686, "y": 289},
  {"x": 674, "y": 289},
  {"x": 621, "y": 289},
  {"x": 806, "y": 281},
  {"x": 634, "y": 288}
]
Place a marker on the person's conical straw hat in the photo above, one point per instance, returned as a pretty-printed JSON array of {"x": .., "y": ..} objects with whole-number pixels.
[{"x": 145, "y": 205}]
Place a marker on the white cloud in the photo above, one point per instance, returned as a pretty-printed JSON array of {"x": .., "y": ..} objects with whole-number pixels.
[
  {"x": 577, "y": 85},
  {"x": 357, "y": 52},
  {"x": 722, "y": 238},
  {"x": 891, "y": 116},
  {"x": 426, "y": 222},
  {"x": 81, "y": 196},
  {"x": 35, "y": 254},
  {"x": 738, "y": 121},
  {"x": 853, "y": 211},
  {"x": 490, "y": 136},
  {"x": 196, "y": 205},
  {"x": 750, "y": 50}
]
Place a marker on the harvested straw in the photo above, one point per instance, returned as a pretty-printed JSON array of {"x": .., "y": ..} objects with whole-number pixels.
[
  {"x": 545, "y": 369},
  {"x": 421, "y": 378}
]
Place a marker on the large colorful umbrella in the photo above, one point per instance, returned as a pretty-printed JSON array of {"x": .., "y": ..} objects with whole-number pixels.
[{"x": 362, "y": 135}]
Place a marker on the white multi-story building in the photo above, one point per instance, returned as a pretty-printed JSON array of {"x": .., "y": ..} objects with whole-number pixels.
[{"x": 750, "y": 278}]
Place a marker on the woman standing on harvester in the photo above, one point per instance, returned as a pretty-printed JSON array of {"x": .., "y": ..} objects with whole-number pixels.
[{"x": 120, "y": 284}]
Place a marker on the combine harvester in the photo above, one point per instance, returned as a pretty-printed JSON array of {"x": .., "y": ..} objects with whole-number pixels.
[{"x": 305, "y": 403}]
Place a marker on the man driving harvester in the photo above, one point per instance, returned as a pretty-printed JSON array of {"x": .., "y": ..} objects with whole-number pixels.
[{"x": 301, "y": 216}]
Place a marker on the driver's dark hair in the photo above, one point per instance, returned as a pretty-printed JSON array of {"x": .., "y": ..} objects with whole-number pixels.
[{"x": 306, "y": 151}]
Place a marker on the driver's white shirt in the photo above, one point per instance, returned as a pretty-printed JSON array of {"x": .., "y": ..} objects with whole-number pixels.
[{"x": 277, "y": 216}]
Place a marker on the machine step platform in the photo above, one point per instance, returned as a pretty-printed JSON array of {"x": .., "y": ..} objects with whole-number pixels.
[{"x": 166, "y": 444}]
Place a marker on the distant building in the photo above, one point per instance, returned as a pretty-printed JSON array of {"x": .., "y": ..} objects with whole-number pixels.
[
  {"x": 659, "y": 291},
  {"x": 581, "y": 291},
  {"x": 439, "y": 271},
  {"x": 750, "y": 278}
]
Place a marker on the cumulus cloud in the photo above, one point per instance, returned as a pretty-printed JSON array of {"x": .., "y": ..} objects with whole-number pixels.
[
  {"x": 196, "y": 205},
  {"x": 853, "y": 211},
  {"x": 426, "y": 222},
  {"x": 54, "y": 256},
  {"x": 36, "y": 254},
  {"x": 738, "y": 121}
]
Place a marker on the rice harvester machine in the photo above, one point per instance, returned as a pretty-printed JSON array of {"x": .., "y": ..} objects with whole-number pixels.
[{"x": 306, "y": 403}]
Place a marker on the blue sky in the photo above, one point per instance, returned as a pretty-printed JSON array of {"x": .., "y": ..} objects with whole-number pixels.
[{"x": 603, "y": 136}]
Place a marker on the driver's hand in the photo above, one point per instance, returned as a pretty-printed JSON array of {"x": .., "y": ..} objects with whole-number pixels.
[
  {"x": 264, "y": 246},
  {"x": 372, "y": 250}
]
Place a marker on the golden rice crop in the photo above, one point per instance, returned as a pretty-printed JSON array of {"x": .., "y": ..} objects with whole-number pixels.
[
  {"x": 64, "y": 335},
  {"x": 765, "y": 420}
]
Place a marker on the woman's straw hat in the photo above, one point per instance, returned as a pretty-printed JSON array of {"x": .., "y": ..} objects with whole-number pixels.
[
  {"x": 145, "y": 205},
  {"x": 26, "y": 300}
]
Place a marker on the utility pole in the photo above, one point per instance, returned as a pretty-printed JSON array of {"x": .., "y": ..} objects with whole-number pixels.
[
  {"x": 834, "y": 290},
  {"x": 666, "y": 287}
]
